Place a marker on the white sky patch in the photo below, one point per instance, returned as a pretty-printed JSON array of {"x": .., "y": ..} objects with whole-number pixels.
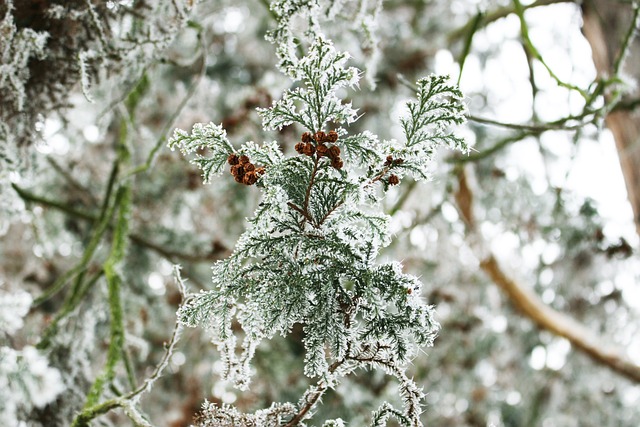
[
  {"x": 632, "y": 396},
  {"x": 220, "y": 391},
  {"x": 513, "y": 398},
  {"x": 557, "y": 353},
  {"x": 596, "y": 174},
  {"x": 418, "y": 239},
  {"x": 156, "y": 283},
  {"x": 538, "y": 358},
  {"x": 91, "y": 133},
  {"x": 233, "y": 20},
  {"x": 486, "y": 372},
  {"x": 626, "y": 282},
  {"x": 505, "y": 244},
  {"x": 499, "y": 324},
  {"x": 444, "y": 63},
  {"x": 548, "y": 296}
]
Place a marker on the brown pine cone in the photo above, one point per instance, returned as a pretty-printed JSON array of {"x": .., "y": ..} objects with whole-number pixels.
[
  {"x": 249, "y": 167},
  {"x": 309, "y": 149},
  {"x": 250, "y": 178},
  {"x": 232, "y": 159},
  {"x": 332, "y": 136},
  {"x": 394, "y": 180},
  {"x": 319, "y": 136},
  {"x": 238, "y": 178},
  {"x": 243, "y": 160},
  {"x": 337, "y": 163},
  {"x": 322, "y": 150},
  {"x": 334, "y": 151},
  {"x": 389, "y": 161},
  {"x": 237, "y": 170},
  {"x": 300, "y": 147},
  {"x": 306, "y": 137}
]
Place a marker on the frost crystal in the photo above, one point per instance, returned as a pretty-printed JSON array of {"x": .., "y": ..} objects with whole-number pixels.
[{"x": 16, "y": 48}]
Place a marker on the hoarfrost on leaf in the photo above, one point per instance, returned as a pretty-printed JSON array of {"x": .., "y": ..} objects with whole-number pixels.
[
  {"x": 26, "y": 381},
  {"x": 322, "y": 72},
  {"x": 209, "y": 136},
  {"x": 439, "y": 106},
  {"x": 309, "y": 255}
]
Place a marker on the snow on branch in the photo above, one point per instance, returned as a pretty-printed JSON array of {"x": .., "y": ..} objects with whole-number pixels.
[{"x": 310, "y": 253}]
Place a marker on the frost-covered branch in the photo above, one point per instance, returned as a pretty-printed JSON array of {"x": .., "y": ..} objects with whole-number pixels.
[
  {"x": 309, "y": 255},
  {"x": 560, "y": 324}
]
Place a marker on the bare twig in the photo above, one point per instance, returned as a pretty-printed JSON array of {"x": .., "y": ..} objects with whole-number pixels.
[
  {"x": 559, "y": 323},
  {"x": 536, "y": 128},
  {"x": 171, "y": 255}
]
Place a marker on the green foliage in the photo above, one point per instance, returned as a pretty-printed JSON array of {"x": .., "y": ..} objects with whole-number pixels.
[
  {"x": 322, "y": 72},
  {"x": 438, "y": 107},
  {"x": 309, "y": 255},
  {"x": 314, "y": 262},
  {"x": 209, "y": 136}
]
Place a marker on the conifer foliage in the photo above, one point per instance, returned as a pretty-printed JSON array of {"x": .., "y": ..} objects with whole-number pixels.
[{"x": 309, "y": 255}]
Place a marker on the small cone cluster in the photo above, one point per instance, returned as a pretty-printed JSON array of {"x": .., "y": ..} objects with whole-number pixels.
[
  {"x": 390, "y": 161},
  {"x": 243, "y": 170},
  {"x": 307, "y": 147}
]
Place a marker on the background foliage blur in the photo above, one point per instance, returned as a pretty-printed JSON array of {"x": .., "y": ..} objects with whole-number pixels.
[{"x": 542, "y": 194}]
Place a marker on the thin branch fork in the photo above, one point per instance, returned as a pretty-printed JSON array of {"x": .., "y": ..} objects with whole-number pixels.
[
  {"x": 495, "y": 15},
  {"x": 320, "y": 388},
  {"x": 529, "y": 304}
]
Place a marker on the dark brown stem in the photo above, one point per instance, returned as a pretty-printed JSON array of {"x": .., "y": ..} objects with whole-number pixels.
[
  {"x": 320, "y": 389},
  {"x": 378, "y": 177},
  {"x": 307, "y": 195},
  {"x": 301, "y": 211}
]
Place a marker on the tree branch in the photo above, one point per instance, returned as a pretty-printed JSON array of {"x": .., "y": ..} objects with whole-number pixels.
[
  {"x": 610, "y": 32},
  {"x": 132, "y": 398},
  {"x": 495, "y": 15},
  {"x": 559, "y": 323},
  {"x": 171, "y": 255},
  {"x": 525, "y": 300},
  {"x": 320, "y": 389}
]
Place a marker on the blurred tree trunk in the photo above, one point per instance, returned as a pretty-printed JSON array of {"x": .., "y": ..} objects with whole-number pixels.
[{"x": 605, "y": 24}]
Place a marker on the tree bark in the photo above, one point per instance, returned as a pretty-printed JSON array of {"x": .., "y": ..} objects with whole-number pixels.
[{"x": 605, "y": 24}]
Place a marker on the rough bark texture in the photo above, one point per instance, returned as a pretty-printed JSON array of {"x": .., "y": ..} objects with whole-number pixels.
[{"x": 605, "y": 25}]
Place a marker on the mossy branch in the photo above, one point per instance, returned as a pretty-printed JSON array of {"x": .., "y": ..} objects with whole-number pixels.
[{"x": 89, "y": 413}]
